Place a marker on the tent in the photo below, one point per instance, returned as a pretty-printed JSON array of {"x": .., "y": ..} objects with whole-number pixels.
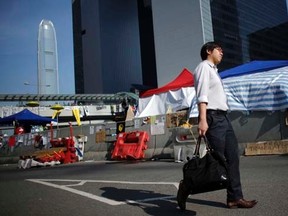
[
  {"x": 254, "y": 86},
  {"x": 257, "y": 86},
  {"x": 25, "y": 117},
  {"x": 253, "y": 67},
  {"x": 173, "y": 96}
]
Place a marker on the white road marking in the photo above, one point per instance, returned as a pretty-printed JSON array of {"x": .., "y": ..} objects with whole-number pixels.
[{"x": 47, "y": 182}]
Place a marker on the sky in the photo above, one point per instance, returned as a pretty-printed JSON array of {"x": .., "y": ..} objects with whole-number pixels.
[{"x": 19, "y": 23}]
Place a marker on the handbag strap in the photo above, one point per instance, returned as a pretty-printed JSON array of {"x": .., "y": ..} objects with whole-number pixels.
[{"x": 197, "y": 148}]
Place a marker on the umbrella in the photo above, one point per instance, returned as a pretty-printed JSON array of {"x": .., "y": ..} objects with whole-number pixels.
[
  {"x": 32, "y": 104},
  {"x": 58, "y": 108}
]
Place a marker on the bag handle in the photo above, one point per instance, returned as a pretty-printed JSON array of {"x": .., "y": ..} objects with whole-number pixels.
[{"x": 197, "y": 148}]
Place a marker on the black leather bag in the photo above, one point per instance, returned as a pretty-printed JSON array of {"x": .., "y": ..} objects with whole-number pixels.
[{"x": 205, "y": 174}]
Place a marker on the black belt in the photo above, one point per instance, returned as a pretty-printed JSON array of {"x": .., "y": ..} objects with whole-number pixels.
[{"x": 216, "y": 112}]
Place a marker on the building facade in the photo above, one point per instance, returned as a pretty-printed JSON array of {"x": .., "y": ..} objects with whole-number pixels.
[
  {"x": 119, "y": 44},
  {"x": 250, "y": 30},
  {"x": 107, "y": 46},
  {"x": 47, "y": 59}
]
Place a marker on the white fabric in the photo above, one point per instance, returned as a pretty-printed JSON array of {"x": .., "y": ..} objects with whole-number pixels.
[
  {"x": 263, "y": 91},
  {"x": 159, "y": 104}
]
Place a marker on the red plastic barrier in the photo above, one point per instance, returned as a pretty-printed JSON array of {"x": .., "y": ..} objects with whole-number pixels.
[
  {"x": 70, "y": 154},
  {"x": 130, "y": 145},
  {"x": 55, "y": 156}
]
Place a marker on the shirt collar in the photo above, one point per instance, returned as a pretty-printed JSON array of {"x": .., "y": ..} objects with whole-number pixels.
[{"x": 211, "y": 64}]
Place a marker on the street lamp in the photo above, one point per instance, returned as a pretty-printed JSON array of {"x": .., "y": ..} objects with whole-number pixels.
[{"x": 38, "y": 94}]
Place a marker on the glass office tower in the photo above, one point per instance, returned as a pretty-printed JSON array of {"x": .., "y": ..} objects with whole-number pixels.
[
  {"x": 47, "y": 59},
  {"x": 118, "y": 43},
  {"x": 250, "y": 30}
]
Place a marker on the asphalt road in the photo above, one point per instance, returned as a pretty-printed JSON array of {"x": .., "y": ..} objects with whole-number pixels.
[{"x": 135, "y": 188}]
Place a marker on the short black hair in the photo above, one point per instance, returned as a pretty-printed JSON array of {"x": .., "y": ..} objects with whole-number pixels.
[{"x": 209, "y": 46}]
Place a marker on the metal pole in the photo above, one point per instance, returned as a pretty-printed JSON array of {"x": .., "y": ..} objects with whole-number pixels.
[
  {"x": 38, "y": 93},
  {"x": 38, "y": 100}
]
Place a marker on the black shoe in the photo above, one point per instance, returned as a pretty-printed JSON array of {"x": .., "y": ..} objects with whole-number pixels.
[{"x": 182, "y": 195}]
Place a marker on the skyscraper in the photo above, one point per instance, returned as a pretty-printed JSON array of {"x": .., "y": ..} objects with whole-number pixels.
[
  {"x": 47, "y": 59},
  {"x": 106, "y": 46},
  {"x": 119, "y": 43},
  {"x": 250, "y": 30}
]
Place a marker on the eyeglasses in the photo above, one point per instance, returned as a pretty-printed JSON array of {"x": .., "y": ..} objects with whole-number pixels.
[{"x": 219, "y": 49}]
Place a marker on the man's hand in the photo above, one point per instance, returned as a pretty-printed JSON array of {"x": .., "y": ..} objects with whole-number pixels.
[{"x": 202, "y": 127}]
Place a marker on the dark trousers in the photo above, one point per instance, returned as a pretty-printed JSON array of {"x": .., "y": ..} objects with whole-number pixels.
[{"x": 222, "y": 138}]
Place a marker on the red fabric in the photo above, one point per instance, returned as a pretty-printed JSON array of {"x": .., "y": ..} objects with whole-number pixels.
[
  {"x": 19, "y": 130},
  {"x": 184, "y": 79},
  {"x": 11, "y": 141}
]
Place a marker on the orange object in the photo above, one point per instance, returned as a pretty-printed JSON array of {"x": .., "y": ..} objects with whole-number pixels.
[
  {"x": 68, "y": 156},
  {"x": 130, "y": 145}
]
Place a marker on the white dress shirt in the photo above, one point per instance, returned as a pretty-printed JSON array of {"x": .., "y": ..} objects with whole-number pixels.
[{"x": 208, "y": 86}]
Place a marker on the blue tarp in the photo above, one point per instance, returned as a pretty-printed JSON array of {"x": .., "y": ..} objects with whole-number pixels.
[
  {"x": 258, "y": 85},
  {"x": 27, "y": 117},
  {"x": 253, "y": 67}
]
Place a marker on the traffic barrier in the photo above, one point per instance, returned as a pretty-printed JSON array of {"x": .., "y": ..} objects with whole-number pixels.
[
  {"x": 68, "y": 143},
  {"x": 53, "y": 154},
  {"x": 66, "y": 154},
  {"x": 130, "y": 145},
  {"x": 70, "y": 154}
]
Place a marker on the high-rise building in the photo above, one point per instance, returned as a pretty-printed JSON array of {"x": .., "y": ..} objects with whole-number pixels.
[
  {"x": 106, "y": 46},
  {"x": 247, "y": 28},
  {"x": 47, "y": 59},
  {"x": 146, "y": 42}
]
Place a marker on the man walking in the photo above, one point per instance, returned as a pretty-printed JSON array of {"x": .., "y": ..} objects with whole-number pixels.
[{"x": 215, "y": 125}]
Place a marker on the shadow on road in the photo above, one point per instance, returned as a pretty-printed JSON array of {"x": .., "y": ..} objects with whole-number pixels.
[{"x": 152, "y": 203}]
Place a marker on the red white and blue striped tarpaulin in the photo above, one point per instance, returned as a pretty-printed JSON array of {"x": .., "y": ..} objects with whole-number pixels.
[{"x": 257, "y": 86}]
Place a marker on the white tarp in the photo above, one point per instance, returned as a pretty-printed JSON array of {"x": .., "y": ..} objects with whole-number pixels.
[
  {"x": 173, "y": 96},
  {"x": 171, "y": 101},
  {"x": 258, "y": 85},
  {"x": 258, "y": 91}
]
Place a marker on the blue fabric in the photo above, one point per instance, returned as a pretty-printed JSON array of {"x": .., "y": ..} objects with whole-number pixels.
[
  {"x": 255, "y": 86},
  {"x": 26, "y": 116},
  {"x": 265, "y": 91},
  {"x": 253, "y": 67}
]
